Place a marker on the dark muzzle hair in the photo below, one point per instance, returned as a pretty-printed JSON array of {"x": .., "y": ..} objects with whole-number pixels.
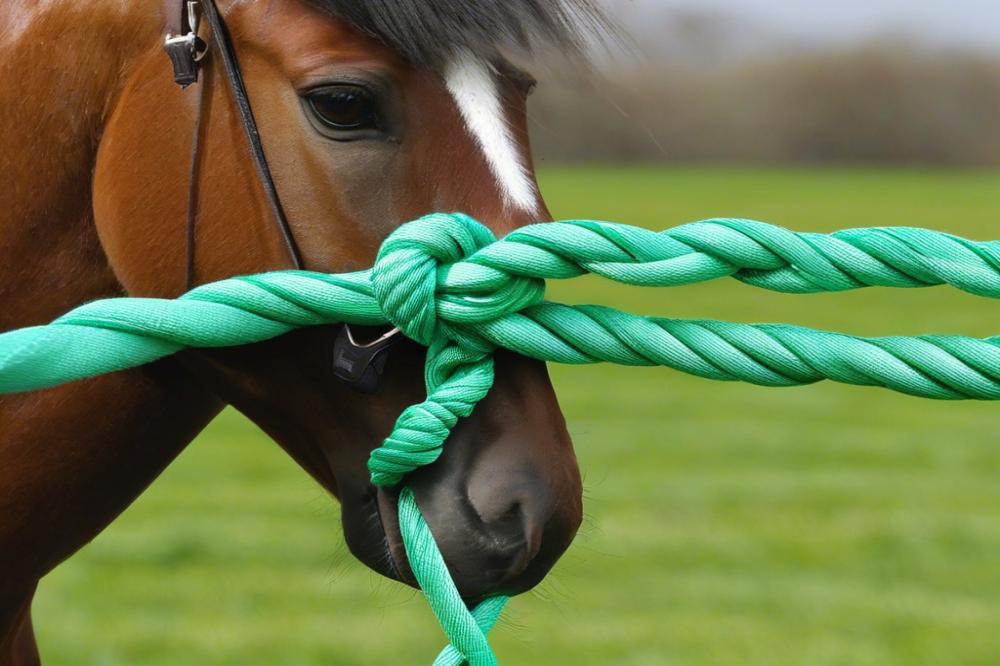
[{"x": 429, "y": 32}]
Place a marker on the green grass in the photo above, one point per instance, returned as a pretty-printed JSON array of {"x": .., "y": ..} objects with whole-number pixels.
[{"x": 727, "y": 524}]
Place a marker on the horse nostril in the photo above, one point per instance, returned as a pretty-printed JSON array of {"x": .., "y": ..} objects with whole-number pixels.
[
  {"x": 511, "y": 524},
  {"x": 498, "y": 533},
  {"x": 500, "y": 512}
]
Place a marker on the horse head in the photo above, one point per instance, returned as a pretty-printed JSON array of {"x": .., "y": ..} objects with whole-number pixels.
[{"x": 370, "y": 114}]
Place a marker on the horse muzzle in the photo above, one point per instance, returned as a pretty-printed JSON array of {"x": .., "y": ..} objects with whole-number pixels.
[{"x": 503, "y": 501}]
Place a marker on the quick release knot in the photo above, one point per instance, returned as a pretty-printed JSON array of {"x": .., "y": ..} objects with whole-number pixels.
[
  {"x": 427, "y": 283},
  {"x": 414, "y": 280}
]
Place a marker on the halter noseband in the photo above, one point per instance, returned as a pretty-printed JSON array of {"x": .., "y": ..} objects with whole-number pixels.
[{"x": 360, "y": 365}]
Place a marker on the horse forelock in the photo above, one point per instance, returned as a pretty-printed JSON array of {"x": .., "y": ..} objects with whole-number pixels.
[{"x": 432, "y": 32}]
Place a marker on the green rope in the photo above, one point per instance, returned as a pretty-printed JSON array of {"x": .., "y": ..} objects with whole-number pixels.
[
  {"x": 447, "y": 283},
  {"x": 466, "y": 631}
]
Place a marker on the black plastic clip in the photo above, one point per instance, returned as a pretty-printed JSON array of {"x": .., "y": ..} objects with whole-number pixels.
[{"x": 361, "y": 366}]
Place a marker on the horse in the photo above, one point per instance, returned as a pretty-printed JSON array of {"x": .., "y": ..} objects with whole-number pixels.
[{"x": 358, "y": 117}]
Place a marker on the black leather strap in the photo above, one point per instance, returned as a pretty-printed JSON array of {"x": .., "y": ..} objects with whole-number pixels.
[
  {"x": 224, "y": 44},
  {"x": 175, "y": 17},
  {"x": 185, "y": 50},
  {"x": 193, "y": 179}
]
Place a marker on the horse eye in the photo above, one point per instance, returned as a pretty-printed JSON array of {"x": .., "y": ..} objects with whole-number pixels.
[{"x": 344, "y": 108}]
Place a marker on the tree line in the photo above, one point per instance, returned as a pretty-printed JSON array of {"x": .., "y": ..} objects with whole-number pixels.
[{"x": 890, "y": 101}]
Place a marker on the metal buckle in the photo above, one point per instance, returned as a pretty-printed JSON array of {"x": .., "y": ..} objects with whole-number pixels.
[
  {"x": 374, "y": 343},
  {"x": 196, "y": 45},
  {"x": 187, "y": 50}
]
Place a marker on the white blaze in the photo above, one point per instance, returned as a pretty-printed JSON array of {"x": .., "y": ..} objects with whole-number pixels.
[{"x": 473, "y": 85}]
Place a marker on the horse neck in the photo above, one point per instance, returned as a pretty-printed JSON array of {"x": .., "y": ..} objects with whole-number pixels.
[
  {"x": 62, "y": 63},
  {"x": 71, "y": 458}
]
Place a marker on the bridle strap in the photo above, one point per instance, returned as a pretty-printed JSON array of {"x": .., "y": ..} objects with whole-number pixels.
[
  {"x": 358, "y": 365},
  {"x": 225, "y": 49},
  {"x": 193, "y": 180},
  {"x": 185, "y": 50}
]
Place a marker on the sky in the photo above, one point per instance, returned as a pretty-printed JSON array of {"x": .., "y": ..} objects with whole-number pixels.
[{"x": 974, "y": 23}]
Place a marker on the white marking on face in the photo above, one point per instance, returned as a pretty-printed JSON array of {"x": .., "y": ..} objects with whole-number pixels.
[{"x": 474, "y": 86}]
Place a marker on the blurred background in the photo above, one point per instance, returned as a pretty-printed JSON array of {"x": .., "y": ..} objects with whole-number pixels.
[
  {"x": 727, "y": 524},
  {"x": 794, "y": 82}
]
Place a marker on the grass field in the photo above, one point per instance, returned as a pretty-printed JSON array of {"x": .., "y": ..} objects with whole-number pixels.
[{"x": 727, "y": 524}]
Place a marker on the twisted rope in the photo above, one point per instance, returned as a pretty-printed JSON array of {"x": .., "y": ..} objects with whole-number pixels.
[{"x": 449, "y": 284}]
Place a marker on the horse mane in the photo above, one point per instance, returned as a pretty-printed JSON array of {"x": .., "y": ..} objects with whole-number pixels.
[{"x": 430, "y": 32}]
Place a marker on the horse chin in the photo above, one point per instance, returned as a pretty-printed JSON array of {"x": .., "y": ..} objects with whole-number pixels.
[
  {"x": 371, "y": 530},
  {"x": 386, "y": 502}
]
